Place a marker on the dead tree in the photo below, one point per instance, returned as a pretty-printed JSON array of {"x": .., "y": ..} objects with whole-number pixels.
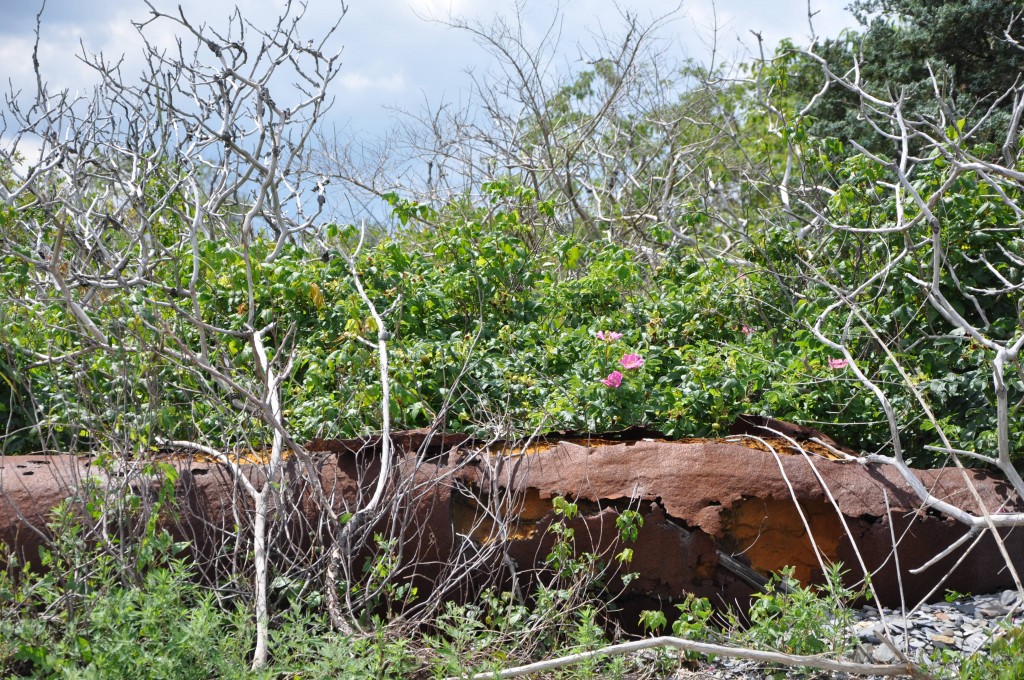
[
  {"x": 626, "y": 145},
  {"x": 915, "y": 237},
  {"x": 109, "y": 193}
]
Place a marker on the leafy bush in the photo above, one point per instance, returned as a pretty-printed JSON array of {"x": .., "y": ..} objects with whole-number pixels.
[
  {"x": 1002, "y": 660},
  {"x": 486, "y": 328},
  {"x": 87, "y": 613},
  {"x": 807, "y": 620},
  {"x": 90, "y": 615}
]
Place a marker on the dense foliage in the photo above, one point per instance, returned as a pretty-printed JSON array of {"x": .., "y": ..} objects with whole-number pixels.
[
  {"x": 901, "y": 45},
  {"x": 495, "y": 325},
  {"x": 488, "y": 331},
  {"x": 496, "y": 296}
]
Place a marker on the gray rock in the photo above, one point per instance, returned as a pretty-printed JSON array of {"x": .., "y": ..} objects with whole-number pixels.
[
  {"x": 975, "y": 642},
  {"x": 993, "y": 609},
  {"x": 882, "y": 654},
  {"x": 967, "y": 608}
]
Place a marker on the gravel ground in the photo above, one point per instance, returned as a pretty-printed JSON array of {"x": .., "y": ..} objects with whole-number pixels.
[{"x": 966, "y": 625}]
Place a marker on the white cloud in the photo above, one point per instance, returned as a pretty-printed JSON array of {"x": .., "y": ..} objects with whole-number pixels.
[
  {"x": 391, "y": 57},
  {"x": 28, "y": 150},
  {"x": 361, "y": 82}
]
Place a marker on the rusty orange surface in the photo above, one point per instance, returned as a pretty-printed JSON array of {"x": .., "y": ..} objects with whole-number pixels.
[{"x": 766, "y": 444}]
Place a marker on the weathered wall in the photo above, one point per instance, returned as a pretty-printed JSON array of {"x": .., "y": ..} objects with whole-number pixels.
[{"x": 699, "y": 500}]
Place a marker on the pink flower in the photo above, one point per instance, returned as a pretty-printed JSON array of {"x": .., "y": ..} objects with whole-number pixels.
[
  {"x": 608, "y": 336},
  {"x": 747, "y": 330},
  {"x": 613, "y": 380},
  {"x": 837, "y": 363},
  {"x": 631, "y": 361}
]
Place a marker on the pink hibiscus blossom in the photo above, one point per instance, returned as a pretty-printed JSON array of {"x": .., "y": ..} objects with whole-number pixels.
[
  {"x": 837, "y": 363},
  {"x": 613, "y": 380},
  {"x": 747, "y": 330},
  {"x": 608, "y": 336},
  {"x": 631, "y": 361}
]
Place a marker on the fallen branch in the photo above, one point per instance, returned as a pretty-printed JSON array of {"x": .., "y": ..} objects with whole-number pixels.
[{"x": 703, "y": 648}]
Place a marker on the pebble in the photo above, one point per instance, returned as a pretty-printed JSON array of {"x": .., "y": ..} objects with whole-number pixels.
[{"x": 966, "y": 625}]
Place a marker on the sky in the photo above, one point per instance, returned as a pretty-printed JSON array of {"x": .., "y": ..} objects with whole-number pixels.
[{"x": 399, "y": 54}]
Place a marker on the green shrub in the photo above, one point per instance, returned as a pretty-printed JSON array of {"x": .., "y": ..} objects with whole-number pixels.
[
  {"x": 796, "y": 619},
  {"x": 1002, "y": 660}
]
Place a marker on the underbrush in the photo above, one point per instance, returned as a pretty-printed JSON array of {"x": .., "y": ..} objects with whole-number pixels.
[
  {"x": 86, "y": 618},
  {"x": 703, "y": 343},
  {"x": 88, "y": 615}
]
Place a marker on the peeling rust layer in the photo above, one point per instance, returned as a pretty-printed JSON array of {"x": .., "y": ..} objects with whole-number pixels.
[{"x": 699, "y": 499}]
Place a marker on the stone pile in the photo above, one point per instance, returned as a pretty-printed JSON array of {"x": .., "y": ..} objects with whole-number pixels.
[{"x": 967, "y": 625}]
